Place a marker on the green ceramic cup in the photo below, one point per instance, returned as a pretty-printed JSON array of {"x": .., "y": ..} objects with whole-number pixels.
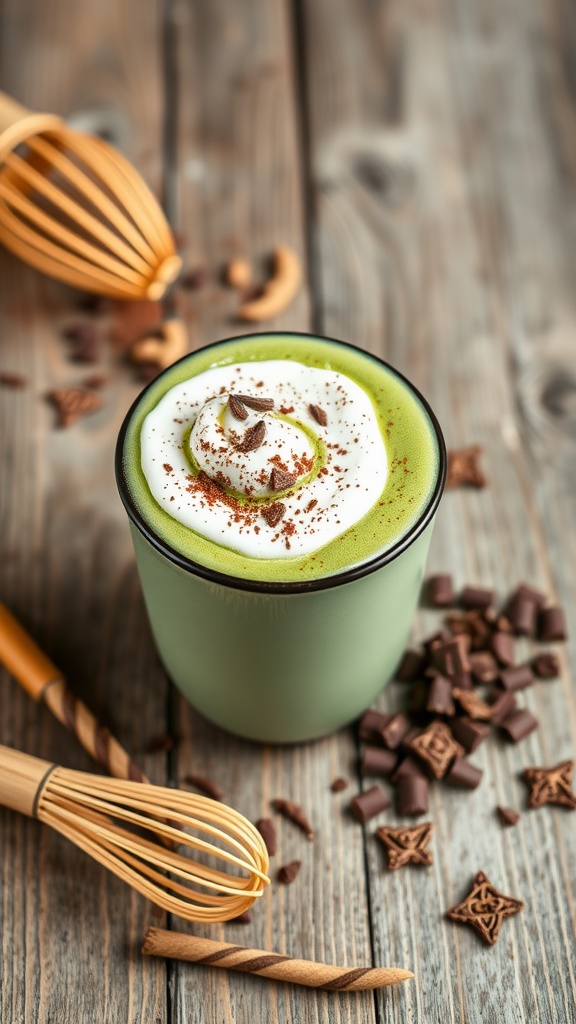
[{"x": 281, "y": 662}]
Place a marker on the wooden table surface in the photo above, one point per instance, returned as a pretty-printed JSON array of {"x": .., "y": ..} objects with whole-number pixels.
[{"x": 421, "y": 158}]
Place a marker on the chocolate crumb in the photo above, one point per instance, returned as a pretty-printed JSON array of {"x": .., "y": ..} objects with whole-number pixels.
[
  {"x": 292, "y": 811},
  {"x": 280, "y": 480},
  {"x": 253, "y": 438},
  {"x": 507, "y": 816},
  {"x": 12, "y": 380},
  {"x": 237, "y": 407},
  {"x": 273, "y": 513},
  {"x": 267, "y": 830},
  {"x": 205, "y": 785},
  {"x": 287, "y": 873},
  {"x": 319, "y": 415},
  {"x": 338, "y": 785},
  {"x": 464, "y": 469}
]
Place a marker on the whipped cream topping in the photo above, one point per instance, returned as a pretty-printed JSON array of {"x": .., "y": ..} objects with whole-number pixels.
[{"x": 272, "y": 459}]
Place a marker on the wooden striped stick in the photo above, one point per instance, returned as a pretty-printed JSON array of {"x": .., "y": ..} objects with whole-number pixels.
[
  {"x": 176, "y": 946},
  {"x": 43, "y": 681}
]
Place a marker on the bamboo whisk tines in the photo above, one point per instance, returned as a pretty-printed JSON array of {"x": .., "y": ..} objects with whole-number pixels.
[
  {"x": 122, "y": 824},
  {"x": 74, "y": 208}
]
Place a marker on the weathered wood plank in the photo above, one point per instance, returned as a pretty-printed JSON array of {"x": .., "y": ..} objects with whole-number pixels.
[
  {"x": 240, "y": 193},
  {"x": 70, "y": 932},
  {"x": 461, "y": 278}
]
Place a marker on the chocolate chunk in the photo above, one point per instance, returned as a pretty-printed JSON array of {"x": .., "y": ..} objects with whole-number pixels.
[
  {"x": 535, "y": 595},
  {"x": 287, "y": 873},
  {"x": 469, "y": 733},
  {"x": 443, "y": 636},
  {"x": 440, "y": 697},
  {"x": 273, "y": 513},
  {"x": 517, "y": 677},
  {"x": 280, "y": 481},
  {"x": 507, "y": 816},
  {"x": 546, "y": 665},
  {"x": 464, "y": 775},
  {"x": 436, "y": 747},
  {"x": 476, "y": 598},
  {"x": 267, "y": 830},
  {"x": 483, "y": 667},
  {"x": 518, "y": 724},
  {"x": 73, "y": 403},
  {"x": 406, "y": 845},
  {"x": 473, "y": 624},
  {"x": 368, "y": 804},
  {"x": 288, "y": 809},
  {"x": 411, "y": 666},
  {"x": 371, "y": 723},
  {"x": 205, "y": 785},
  {"x": 253, "y": 438},
  {"x": 409, "y": 766},
  {"x": 412, "y": 795},
  {"x": 12, "y": 380},
  {"x": 440, "y": 591},
  {"x": 318, "y": 414},
  {"x": 338, "y": 785},
  {"x": 502, "y": 705},
  {"x": 472, "y": 705},
  {"x": 502, "y": 647},
  {"x": 257, "y": 403},
  {"x": 521, "y": 612},
  {"x": 376, "y": 761},
  {"x": 451, "y": 658},
  {"x": 237, "y": 408},
  {"x": 552, "y": 625},
  {"x": 243, "y": 918},
  {"x": 416, "y": 699},
  {"x": 464, "y": 469},
  {"x": 551, "y": 785},
  {"x": 394, "y": 731},
  {"x": 96, "y": 381}
]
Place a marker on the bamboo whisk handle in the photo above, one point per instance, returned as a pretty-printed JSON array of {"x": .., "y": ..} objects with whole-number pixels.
[
  {"x": 42, "y": 680},
  {"x": 22, "y": 778}
]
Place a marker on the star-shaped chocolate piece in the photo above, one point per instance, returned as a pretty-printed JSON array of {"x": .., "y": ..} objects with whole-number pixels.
[
  {"x": 551, "y": 785},
  {"x": 464, "y": 469},
  {"x": 437, "y": 747},
  {"x": 406, "y": 845},
  {"x": 485, "y": 908}
]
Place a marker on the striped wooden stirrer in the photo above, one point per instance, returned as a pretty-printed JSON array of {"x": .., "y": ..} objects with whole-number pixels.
[
  {"x": 159, "y": 942},
  {"x": 43, "y": 681}
]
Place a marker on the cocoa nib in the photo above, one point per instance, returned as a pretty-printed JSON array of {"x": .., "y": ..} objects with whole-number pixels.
[
  {"x": 237, "y": 407},
  {"x": 256, "y": 403},
  {"x": 318, "y": 414},
  {"x": 273, "y": 514},
  {"x": 280, "y": 480},
  {"x": 253, "y": 437}
]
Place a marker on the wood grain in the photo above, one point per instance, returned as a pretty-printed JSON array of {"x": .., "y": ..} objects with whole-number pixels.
[
  {"x": 463, "y": 281},
  {"x": 69, "y": 930}
]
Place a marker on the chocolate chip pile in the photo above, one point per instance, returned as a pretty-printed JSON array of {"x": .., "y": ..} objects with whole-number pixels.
[{"x": 445, "y": 717}]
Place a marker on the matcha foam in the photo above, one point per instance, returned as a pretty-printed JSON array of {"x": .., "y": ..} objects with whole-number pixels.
[{"x": 316, "y": 432}]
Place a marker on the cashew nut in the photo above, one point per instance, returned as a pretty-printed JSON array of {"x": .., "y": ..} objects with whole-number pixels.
[
  {"x": 280, "y": 289},
  {"x": 239, "y": 273},
  {"x": 165, "y": 350}
]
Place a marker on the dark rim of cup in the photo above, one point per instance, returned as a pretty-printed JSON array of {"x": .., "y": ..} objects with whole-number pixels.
[{"x": 355, "y": 572}]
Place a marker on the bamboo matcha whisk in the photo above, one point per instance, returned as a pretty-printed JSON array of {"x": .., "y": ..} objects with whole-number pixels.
[
  {"x": 75, "y": 209},
  {"x": 118, "y": 821}
]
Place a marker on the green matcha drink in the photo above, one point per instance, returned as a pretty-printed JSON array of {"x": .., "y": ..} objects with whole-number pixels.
[
  {"x": 281, "y": 490},
  {"x": 306, "y": 469}
]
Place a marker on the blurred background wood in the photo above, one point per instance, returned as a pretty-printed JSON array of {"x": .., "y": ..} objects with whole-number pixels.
[{"x": 421, "y": 159}]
